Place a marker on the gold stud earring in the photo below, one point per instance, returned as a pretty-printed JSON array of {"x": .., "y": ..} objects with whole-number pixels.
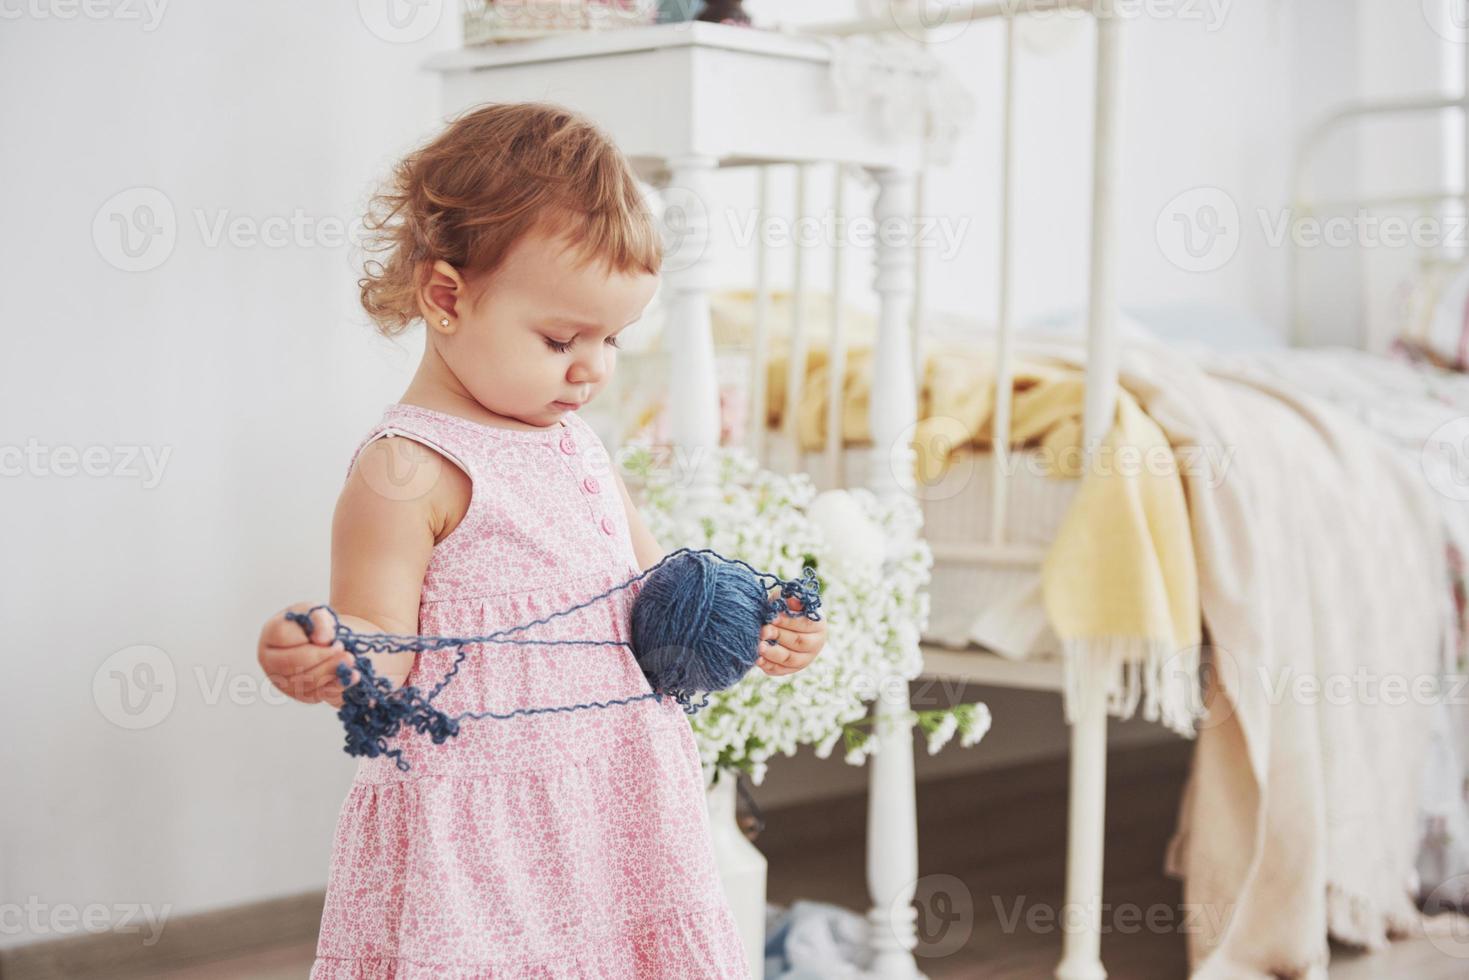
[{"x": 443, "y": 321}]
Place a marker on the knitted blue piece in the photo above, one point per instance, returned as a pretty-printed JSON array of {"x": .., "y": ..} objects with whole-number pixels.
[{"x": 695, "y": 629}]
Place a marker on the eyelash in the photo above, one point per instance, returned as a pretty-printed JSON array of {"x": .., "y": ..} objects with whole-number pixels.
[{"x": 561, "y": 347}]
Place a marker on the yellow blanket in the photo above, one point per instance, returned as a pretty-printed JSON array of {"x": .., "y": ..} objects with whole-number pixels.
[{"x": 1119, "y": 581}]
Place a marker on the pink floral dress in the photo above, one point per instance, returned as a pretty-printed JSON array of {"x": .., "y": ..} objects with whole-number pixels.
[{"x": 561, "y": 845}]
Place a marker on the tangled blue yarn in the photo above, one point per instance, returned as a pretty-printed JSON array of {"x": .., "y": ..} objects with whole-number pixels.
[{"x": 695, "y": 629}]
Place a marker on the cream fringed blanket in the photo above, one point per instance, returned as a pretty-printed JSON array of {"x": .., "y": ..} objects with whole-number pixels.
[
  {"x": 1119, "y": 581},
  {"x": 1321, "y": 586},
  {"x": 1324, "y": 593}
]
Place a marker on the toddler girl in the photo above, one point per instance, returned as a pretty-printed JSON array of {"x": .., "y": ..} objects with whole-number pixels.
[{"x": 571, "y": 844}]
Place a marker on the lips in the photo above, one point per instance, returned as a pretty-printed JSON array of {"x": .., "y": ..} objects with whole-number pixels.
[{"x": 571, "y": 406}]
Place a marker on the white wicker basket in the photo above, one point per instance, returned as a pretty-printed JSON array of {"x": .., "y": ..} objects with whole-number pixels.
[{"x": 489, "y": 21}]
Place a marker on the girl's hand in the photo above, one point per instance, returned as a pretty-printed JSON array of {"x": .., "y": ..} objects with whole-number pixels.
[
  {"x": 302, "y": 668},
  {"x": 797, "y": 641}
]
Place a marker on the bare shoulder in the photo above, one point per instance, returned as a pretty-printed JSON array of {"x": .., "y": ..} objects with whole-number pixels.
[{"x": 402, "y": 481}]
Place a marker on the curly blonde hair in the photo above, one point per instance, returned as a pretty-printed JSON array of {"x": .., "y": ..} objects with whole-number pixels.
[{"x": 495, "y": 174}]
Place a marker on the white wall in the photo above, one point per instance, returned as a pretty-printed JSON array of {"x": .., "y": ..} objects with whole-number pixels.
[
  {"x": 252, "y": 368},
  {"x": 1207, "y": 103}
]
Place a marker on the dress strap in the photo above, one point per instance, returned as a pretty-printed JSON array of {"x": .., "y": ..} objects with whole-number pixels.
[{"x": 445, "y": 439}]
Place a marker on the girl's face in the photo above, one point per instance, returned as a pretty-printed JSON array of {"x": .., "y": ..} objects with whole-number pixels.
[{"x": 542, "y": 338}]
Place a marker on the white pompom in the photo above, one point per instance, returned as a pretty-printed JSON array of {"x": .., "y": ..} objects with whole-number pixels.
[{"x": 853, "y": 540}]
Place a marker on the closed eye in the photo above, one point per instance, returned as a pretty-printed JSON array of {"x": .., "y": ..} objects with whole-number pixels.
[{"x": 561, "y": 347}]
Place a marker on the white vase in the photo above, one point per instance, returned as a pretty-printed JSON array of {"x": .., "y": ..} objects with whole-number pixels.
[{"x": 741, "y": 870}]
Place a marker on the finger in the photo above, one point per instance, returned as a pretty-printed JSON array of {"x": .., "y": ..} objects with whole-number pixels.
[
  {"x": 801, "y": 624},
  {"x": 299, "y": 672},
  {"x": 783, "y": 656},
  {"x": 771, "y": 655},
  {"x": 283, "y": 632},
  {"x": 322, "y": 687},
  {"x": 797, "y": 640},
  {"x": 323, "y": 630},
  {"x": 331, "y": 694},
  {"x": 297, "y": 661}
]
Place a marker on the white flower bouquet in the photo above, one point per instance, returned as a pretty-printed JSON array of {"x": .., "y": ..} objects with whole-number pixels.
[{"x": 873, "y": 568}]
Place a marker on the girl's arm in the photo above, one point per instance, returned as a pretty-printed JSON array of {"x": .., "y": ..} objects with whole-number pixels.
[
  {"x": 400, "y": 499},
  {"x": 644, "y": 546}
]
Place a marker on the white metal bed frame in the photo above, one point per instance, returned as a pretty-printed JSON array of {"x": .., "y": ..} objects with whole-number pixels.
[
  {"x": 892, "y": 845},
  {"x": 892, "y": 864},
  {"x": 1304, "y": 203},
  {"x": 892, "y": 850}
]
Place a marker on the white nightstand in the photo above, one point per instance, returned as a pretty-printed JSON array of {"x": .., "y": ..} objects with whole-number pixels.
[{"x": 681, "y": 100}]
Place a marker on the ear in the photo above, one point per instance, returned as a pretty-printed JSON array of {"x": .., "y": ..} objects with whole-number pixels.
[{"x": 442, "y": 296}]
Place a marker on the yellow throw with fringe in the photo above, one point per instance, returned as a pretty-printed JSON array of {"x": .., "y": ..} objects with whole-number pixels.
[{"x": 1120, "y": 583}]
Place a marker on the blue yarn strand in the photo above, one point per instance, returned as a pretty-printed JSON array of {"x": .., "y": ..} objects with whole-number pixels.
[{"x": 695, "y": 628}]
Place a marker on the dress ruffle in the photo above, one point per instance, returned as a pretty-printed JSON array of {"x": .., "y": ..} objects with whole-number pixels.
[{"x": 695, "y": 944}]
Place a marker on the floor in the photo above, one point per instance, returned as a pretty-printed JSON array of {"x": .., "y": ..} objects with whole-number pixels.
[{"x": 991, "y": 879}]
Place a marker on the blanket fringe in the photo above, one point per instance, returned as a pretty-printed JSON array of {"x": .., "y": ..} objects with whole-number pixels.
[
  {"x": 1131, "y": 670},
  {"x": 1355, "y": 919}
]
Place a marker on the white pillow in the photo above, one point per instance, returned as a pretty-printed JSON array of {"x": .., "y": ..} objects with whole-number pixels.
[{"x": 1446, "y": 336}]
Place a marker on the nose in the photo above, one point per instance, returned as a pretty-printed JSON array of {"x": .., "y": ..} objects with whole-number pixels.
[{"x": 590, "y": 368}]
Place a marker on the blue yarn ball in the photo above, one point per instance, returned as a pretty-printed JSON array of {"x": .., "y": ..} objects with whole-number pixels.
[{"x": 696, "y": 625}]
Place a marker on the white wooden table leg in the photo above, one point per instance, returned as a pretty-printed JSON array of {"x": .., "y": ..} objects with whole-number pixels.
[
  {"x": 892, "y": 840},
  {"x": 693, "y": 390},
  {"x": 893, "y": 405},
  {"x": 1081, "y": 956},
  {"x": 892, "y": 814}
]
